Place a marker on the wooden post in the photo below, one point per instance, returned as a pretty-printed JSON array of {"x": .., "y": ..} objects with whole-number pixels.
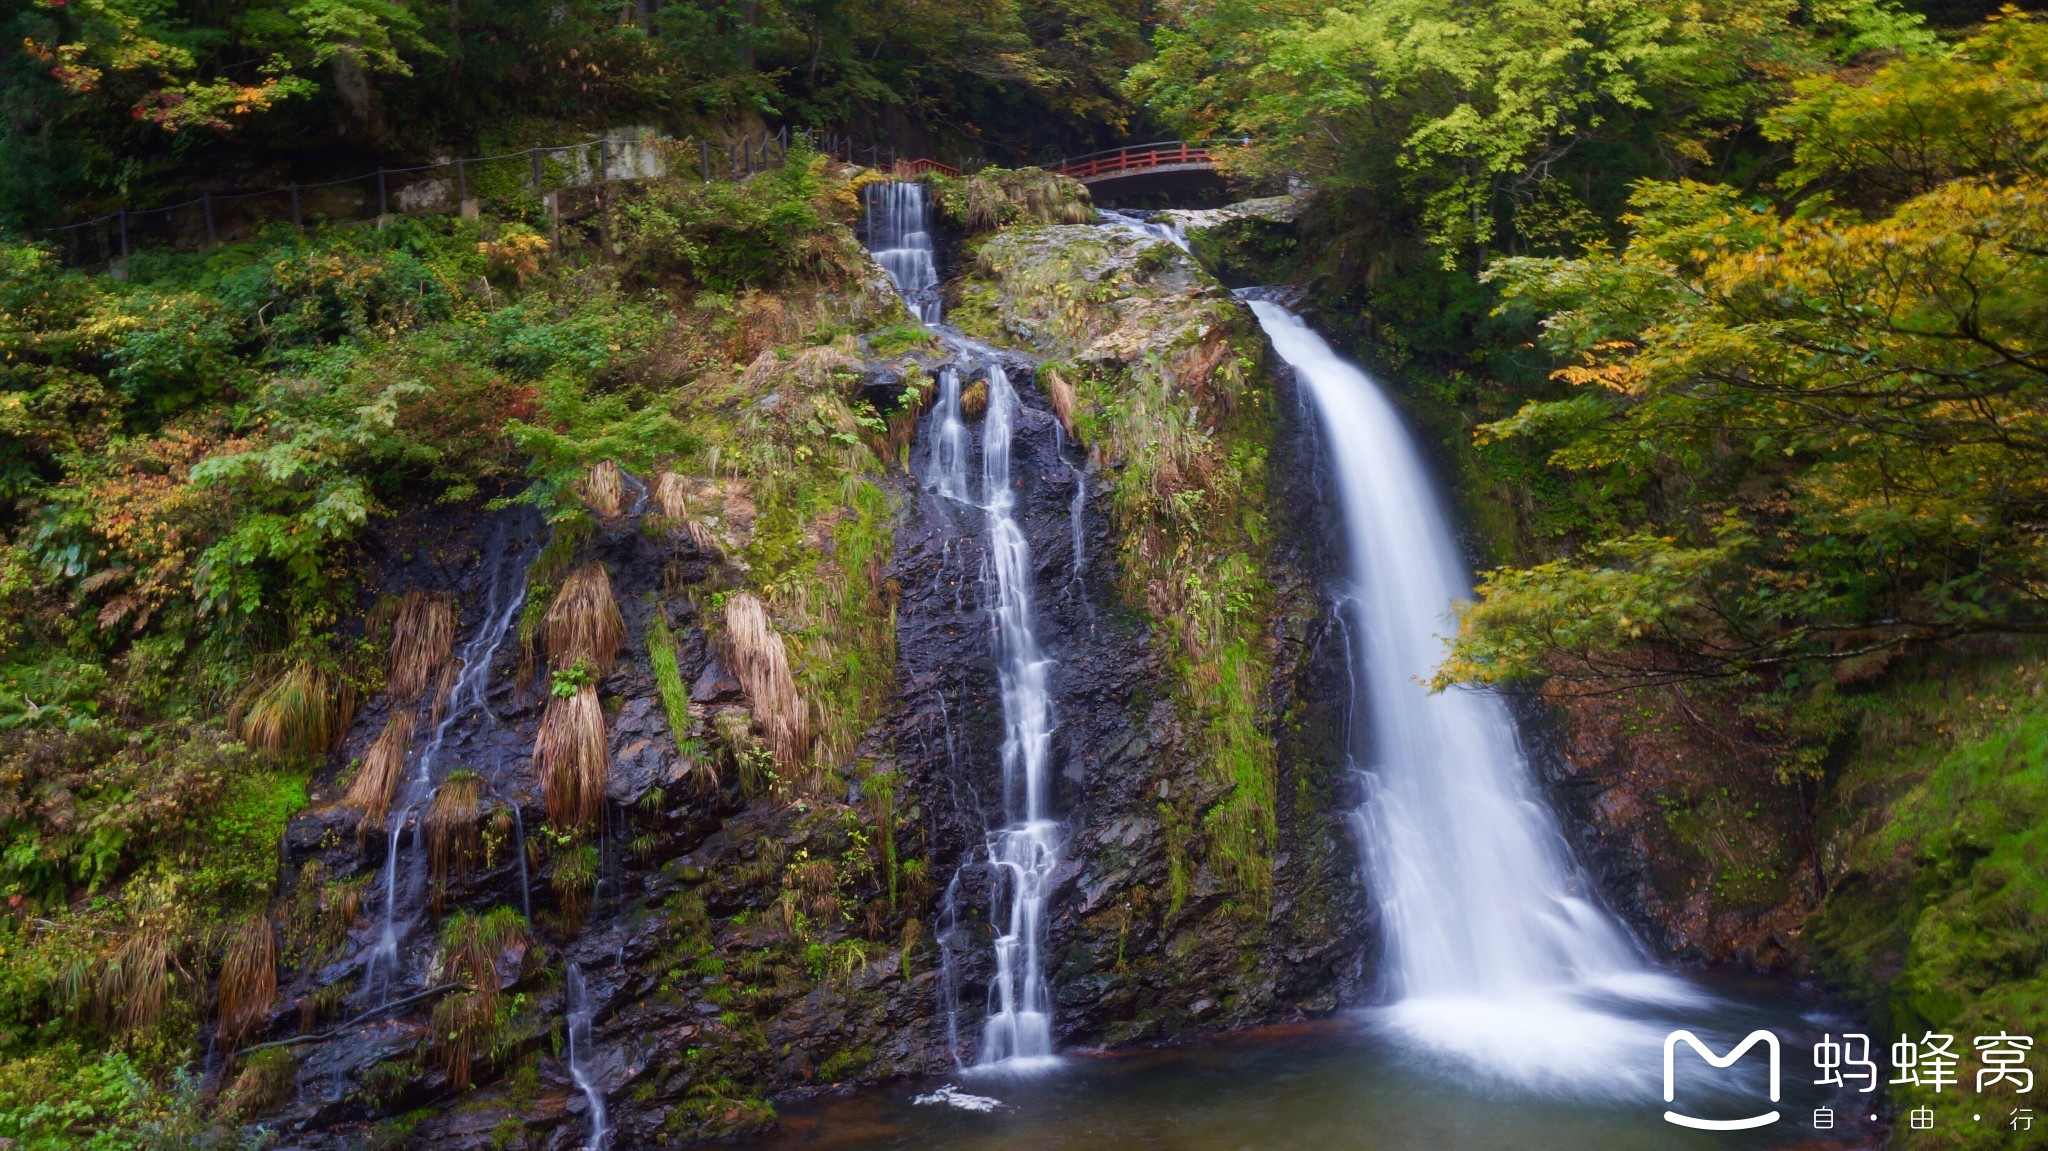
[
  {"x": 465, "y": 207},
  {"x": 296, "y": 221},
  {"x": 604, "y": 162},
  {"x": 536, "y": 169},
  {"x": 124, "y": 233},
  {"x": 704, "y": 155},
  {"x": 383, "y": 198},
  {"x": 206, "y": 209}
]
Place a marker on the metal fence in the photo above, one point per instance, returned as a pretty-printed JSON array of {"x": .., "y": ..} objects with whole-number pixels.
[
  {"x": 552, "y": 174},
  {"x": 566, "y": 178}
]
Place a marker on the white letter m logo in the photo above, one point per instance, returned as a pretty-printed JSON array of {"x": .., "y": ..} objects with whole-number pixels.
[{"x": 1671, "y": 1088}]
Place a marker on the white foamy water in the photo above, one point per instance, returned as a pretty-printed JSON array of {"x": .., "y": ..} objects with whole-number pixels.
[
  {"x": 1495, "y": 955},
  {"x": 1026, "y": 850},
  {"x": 899, "y": 237}
]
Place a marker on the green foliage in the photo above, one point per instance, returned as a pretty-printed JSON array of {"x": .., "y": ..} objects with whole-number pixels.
[
  {"x": 727, "y": 236},
  {"x": 565, "y": 682},
  {"x": 1489, "y": 123},
  {"x": 1845, "y": 401},
  {"x": 1004, "y": 198},
  {"x": 668, "y": 680}
]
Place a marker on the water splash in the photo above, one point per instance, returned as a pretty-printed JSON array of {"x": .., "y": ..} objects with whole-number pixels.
[{"x": 1495, "y": 954}]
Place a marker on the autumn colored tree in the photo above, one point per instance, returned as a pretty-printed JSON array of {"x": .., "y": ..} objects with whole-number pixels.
[{"x": 1819, "y": 423}]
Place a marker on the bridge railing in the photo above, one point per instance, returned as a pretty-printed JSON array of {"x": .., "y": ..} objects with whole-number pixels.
[{"x": 1135, "y": 158}]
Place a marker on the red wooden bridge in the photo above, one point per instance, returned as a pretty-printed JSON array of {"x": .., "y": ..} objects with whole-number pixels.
[
  {"x": 1143, "y": 168},
  {"x": 1164, "y": 156}
]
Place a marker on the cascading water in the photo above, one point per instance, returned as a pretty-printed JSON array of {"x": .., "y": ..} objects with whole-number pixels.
[
  {"x": 1492, "y": 953},
  {"x": 900, "y": 239},
  {"x": 505, "y": 594},
  {"x": 1026, "y": 850},
  {"x": 578, "y": 1013},
  {"x": 948, "y": 465}
]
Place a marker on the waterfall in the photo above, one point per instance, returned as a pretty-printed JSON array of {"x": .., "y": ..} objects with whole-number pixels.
[
  {"x": 1494, "y": 954},
  {"x": 576, "y": 1012},
  {"x": 900, "y": 238},
  {"x": 505, "y": 595},
  {"x": 1026, "y": 850}
]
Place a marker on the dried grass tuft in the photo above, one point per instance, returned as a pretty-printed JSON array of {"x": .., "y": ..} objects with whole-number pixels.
[
  {"x": 1062, "y": 395},
  {"x": 422, "y": 634},
  {"x": 451, "y": 674},
  {"x": 248, "y": 981},
  {"x": 603, "y": 489},
  {"x": 135, "y": 981},
  {"x": 264, "y": 1084},
  {"x": 466, "y": 1022},
  {"x": 974, "y": 400},
  {"x": 574, "y": 882},
  {"x": 816, "y": 884},
  {"x": 584, "y": 621},
  {"x": 304, "y": 709},
  {"x": 758, "y": 658},
  {"x": 672, "y": 496},
  {"x": 453, "y": 839},
  {"x": 572, "y": 759},
  {"x": 376, "y": 782}
]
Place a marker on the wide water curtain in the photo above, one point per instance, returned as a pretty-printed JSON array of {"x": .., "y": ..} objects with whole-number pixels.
[{"x": 1486, "y": 931}]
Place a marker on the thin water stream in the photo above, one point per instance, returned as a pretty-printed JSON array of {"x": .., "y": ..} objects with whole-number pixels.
[
  {"x": 404, "y": 880},
  {"x": 578, "y": 1012}
]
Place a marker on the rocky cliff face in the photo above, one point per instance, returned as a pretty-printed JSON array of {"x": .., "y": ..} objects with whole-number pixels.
[
  {"x": 1154, "y": 930},
  {"x": 747, "y": 934}
]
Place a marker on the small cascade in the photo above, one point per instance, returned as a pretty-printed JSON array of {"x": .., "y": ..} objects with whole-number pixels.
[
  {"x": 948, "y": 465},
  {"x": 577, "y": 1011},
  {"x": 899, "y": 237},
  {"x": 1494, "y": 954},
  {"x": 1025, "y": 852},
  {"x": 505, "y": 594},
  {"x": 1172, "y": 235}
]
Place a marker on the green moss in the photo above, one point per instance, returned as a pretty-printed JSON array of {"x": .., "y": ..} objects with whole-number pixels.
[
  {"x": 1940, "y": 917},
  {"x": 846, "y": 1064}
]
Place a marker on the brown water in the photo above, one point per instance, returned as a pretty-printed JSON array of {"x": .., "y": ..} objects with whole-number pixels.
[{"x": 1343, "y": 1083}]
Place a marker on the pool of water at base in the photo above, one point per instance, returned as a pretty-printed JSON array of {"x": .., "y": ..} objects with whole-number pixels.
[{"x": 1343, "y": 1083}]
